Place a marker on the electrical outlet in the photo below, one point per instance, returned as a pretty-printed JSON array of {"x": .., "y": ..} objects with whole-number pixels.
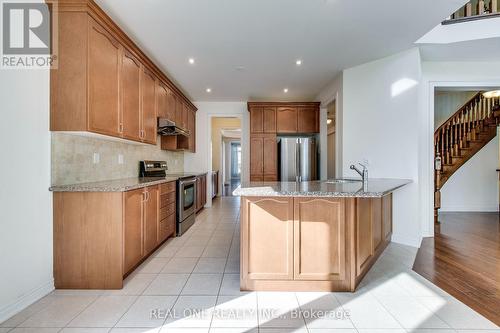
[
  {"x": 96, "y": 158},
  {"x": 120, "y": 158}
]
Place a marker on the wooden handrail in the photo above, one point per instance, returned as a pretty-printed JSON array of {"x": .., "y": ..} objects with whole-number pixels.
[
  {"x": 467, "y": 104},
  {"x": 483, "y": 9}
]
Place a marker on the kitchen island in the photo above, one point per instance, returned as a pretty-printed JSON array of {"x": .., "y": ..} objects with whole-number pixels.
[{"x": 313, "y": 236}]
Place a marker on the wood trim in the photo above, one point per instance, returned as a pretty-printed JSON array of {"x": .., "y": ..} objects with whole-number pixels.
[
  {"x": 90, "y": 7},
  {"x": 283, "y": 104}
]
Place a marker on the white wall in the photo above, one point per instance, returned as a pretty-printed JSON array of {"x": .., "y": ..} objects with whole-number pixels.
[
  {"x": 474, "y": 187},
  {"x": 332, "y": 92},
  {"x": 201, "y": 160},
  {"x": 443, "y": 74},
  {"x": 446, "y": 103},
  {"x": 25, "y": 201},
  {"x": 380, "y": 110}
]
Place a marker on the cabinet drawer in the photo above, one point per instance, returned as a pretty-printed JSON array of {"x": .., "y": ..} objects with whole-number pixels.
[
  {"x": 166, "y": 199},
  {"x": 167, "y": 210},
  {"x": 167, "y": 188},
  {"x": 270, "y": 178},
  {"x": 166, "y": 228}
]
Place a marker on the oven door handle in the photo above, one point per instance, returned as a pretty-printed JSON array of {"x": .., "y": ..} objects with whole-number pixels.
[{"x": 187, "y": 182}]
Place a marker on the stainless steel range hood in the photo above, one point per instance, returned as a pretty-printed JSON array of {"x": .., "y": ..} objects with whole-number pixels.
[{"x": 168, "y": 127}]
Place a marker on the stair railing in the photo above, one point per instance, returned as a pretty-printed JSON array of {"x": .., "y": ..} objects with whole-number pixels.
[{"x": 475, "y": 10}]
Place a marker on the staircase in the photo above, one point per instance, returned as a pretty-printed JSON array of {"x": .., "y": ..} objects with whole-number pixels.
[{"x": 461, "y": 137}]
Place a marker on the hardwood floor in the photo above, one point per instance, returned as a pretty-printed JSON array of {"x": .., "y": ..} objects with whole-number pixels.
[{"x": 464, "y": 259}]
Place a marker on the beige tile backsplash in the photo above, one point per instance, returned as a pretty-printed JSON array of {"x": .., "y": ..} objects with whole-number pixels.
[{"x": 72, "y": 158}]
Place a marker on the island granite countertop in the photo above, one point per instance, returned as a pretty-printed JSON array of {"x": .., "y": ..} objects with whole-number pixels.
[
  {"x": 321, "y": 188},
  {"x": 116, "y": 185}
]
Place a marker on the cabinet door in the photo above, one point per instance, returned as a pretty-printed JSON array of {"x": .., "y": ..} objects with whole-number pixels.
[
  {"x": 178, "y": 111},
  {"x": 198, "y": 192},
  {"x": 161, "y": 100},
  {"x": 267, "y": 238},
  {"x": 387, "y": 217},
  {"x": 148, "y": 98},
  {"x": 256, "y": 156},
  {"x": 103, "y": 71},
  {"x": 204, "y": 190},
  {"x": 319, "y": 239},
  {"x": 130, "y": 94},
  {"x": 286, "y": 120},
  {"x": 192, "y": 129},
  {"x": 151, "y": 219},
  {"x": 270, "y": 148},
  {"x": 364, "y": 234},
  {"x": 308, "y": 120},
  {"x": 170, "y": 105},
  {"x": 185, "y": 116},
  {"x": 133, "y": 216},
  {"x": 256, "y": 120},
  {"x": 269, "y": 122}
]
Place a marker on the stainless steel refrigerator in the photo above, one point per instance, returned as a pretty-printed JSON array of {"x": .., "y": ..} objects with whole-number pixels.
[{"x": 297, "y": 158}]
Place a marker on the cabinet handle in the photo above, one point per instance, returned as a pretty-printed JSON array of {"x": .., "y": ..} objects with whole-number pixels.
[{"x": 120, "y": 128}]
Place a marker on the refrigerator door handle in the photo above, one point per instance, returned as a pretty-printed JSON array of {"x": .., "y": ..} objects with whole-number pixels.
[{"x": 297, "y": 160}]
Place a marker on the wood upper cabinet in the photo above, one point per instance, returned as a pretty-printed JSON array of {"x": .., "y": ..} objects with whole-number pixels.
[
  {"x": 267, "y": 238},
  {"x": 104, "y": 83},
  {"x": 269, "y": 120},
  {"x": 191, "y": 125},
  {"x": 130, "y": 94},
  {"x": 319, "y": 239},
  {"x": 150, "y": 219},
  {"x": 104, "y": 67},
  {"x": 148, "y": 106},
  {"x": 308, "y": 120},
  {"x": 256, "y": 120},
  {"x": 286, "y": 120},
  {"x": 179, "y": 109},
  {"x": 133, "y": 229}
]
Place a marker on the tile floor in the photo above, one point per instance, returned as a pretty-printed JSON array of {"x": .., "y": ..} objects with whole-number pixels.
[{"x": 191, "y": 284}]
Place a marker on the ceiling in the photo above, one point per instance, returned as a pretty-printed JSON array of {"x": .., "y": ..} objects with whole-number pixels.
[
  {"x": 474, "y": 50},
  {"x": 246, "y": 49}
]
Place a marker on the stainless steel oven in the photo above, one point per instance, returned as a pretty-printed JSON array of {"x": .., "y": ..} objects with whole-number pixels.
[{"x": 186, "y": 203}]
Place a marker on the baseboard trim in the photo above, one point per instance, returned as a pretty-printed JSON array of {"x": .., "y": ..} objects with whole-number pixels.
[
  {"x": 406, "y": 240},
  {"x": 26, "y": 300},
  {"x": 465, "y": 209}
]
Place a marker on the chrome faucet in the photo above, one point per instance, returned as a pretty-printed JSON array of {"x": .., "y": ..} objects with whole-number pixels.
[{"x": 363, "y": 173}]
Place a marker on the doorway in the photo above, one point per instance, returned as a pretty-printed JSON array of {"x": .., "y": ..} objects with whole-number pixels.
[
  {"x": 226, "y": 153},
  {"x": 331, "y": 144}
]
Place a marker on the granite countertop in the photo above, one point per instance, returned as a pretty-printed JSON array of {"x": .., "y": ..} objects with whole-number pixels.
[
  {"x": 117, "y": 185},
  {"x": 376, "y": 188}
]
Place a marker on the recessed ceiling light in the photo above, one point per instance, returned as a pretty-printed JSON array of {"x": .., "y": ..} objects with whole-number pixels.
[
  {"x": 285, "y": 90},
  {"x": 191, "y": 61},
  {"x": 298, "y": 62},
  {"x": 208, "y": 90}
]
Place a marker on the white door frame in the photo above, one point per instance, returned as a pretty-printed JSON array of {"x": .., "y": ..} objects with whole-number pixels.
[
  {"x": 427, "y": 162},
  {"x": 209, "y": 149}
]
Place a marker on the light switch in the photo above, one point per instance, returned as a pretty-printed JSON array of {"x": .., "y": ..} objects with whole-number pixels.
[
  {"x": 96, "y": 158},
  {"x": 120, "y": 158}
]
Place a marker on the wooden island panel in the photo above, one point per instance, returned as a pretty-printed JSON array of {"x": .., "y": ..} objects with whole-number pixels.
[{"x": 333, "y": 242}]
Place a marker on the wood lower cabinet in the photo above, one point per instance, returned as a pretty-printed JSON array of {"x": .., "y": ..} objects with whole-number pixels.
[
  {"x": 201, "y": 192},
  {"x": 311, "y": 243},
  {"x": 151, "y": 215},
  {"x": 267, "y": 239},
  {"x": 263, "y": 157},
  {"x": 100, "y": 237},
  {"x": 319, "y": 239},
  {"x": 104, "y": 83},
  {"x": 133, "y": 228}
]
